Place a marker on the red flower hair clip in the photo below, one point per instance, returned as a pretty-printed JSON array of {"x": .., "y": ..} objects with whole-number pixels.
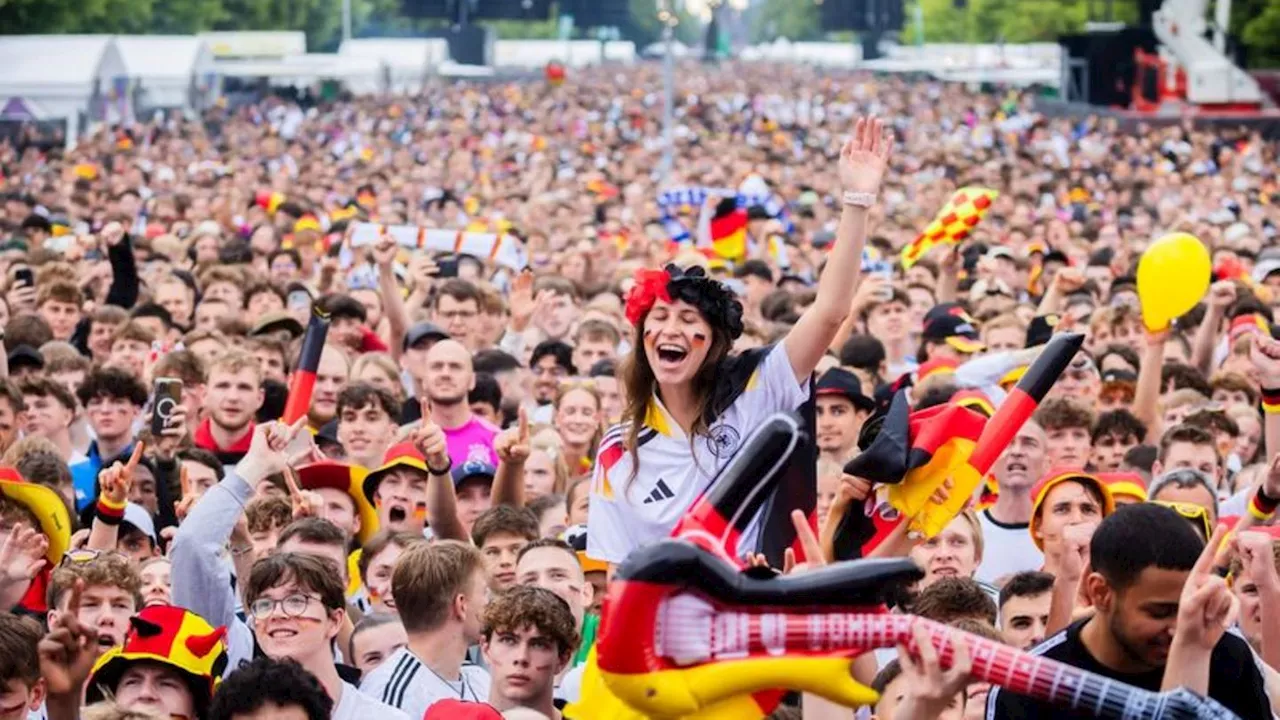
[{"x": 651, "y": 285}]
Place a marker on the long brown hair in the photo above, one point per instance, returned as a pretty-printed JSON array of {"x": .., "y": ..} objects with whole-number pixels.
[{"x": 641, "y": 385}]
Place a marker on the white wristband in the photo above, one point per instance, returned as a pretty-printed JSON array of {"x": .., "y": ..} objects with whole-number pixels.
[{"x": 858, "y": 199}]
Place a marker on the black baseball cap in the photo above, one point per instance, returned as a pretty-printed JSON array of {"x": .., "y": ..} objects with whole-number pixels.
[
  {"x": 955, "y": 330},
  {"x": 25, "y": 356},
  {"x": 838, "y": 381},
  {"x": 423, "y": 331}
]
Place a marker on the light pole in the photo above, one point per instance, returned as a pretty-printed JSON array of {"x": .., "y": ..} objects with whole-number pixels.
[
  {"x": 346, "y": 20},
  {"x": 669, "y": 21}
]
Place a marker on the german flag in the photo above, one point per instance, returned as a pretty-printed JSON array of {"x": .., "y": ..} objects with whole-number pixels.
[
  {"x": 727, "y": 230},
  {"x": 916, "y": 453},
  {"x": 268, "y": 201}
]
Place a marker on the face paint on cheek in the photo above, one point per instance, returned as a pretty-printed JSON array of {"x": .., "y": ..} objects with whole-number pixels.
[
  {"x": 699, "y": 341},
  {"x": 420, "y": 511},
  {"x": 650, "y": 337}
]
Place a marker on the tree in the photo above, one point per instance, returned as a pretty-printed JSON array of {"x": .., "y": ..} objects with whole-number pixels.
[
  {"x": 1261, "y": 36},
  {"x": 185, "y": 17},
  {"x": 794, "y": 20}
]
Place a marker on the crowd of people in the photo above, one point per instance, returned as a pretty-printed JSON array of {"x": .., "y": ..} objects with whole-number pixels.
[{"x": 484, "y": 444}]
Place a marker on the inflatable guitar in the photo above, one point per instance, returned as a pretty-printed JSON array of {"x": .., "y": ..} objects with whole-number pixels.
[
  {"x": 687, "y": 634},
  {"x": 699, "y": 632}
]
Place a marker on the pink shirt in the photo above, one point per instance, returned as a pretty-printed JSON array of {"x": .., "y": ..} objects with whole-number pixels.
[{"x": 472, "y": 441}]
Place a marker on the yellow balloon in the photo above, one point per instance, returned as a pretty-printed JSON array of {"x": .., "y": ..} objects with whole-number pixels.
[{"x": 1173, "y": 275}]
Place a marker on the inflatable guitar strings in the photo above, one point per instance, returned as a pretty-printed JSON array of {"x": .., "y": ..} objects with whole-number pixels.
[
  {"x": 687, "y": 635},
  {"x": 916, "y": 453}
]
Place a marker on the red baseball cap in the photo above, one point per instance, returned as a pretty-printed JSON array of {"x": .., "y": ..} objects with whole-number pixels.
[{"x": 459, "y": 710}]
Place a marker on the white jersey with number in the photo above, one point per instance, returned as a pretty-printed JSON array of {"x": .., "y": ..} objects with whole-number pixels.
[
  {"x": 405, "y": 682},
  {"x": 628, "y": 512}
]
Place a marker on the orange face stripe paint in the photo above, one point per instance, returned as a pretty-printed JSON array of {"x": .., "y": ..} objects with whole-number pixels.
[{"x": 699, "y": 340}]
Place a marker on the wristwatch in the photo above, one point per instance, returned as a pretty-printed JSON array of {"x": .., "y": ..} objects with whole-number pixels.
[
  {"x": 858, "y": 199},
  {"x": 441, "y": 472}
]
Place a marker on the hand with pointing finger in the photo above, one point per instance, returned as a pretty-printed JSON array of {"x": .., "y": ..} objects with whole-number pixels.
[
  {"x": 189, "y": 498},
  {"x": 512, "y": 445},
  {"x": 306, "y": 503},
  {"x": 266, "y": 454},
  {"x": 116, "y": 481},
  {"x": 431, "y": 442},
  {"x": 1207, "y": 606},
  {"x": 68, "y": 652}
]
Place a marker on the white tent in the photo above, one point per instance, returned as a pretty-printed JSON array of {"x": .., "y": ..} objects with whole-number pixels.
[
  {"x": 535, "y": 54},
  {"x": 171, "y": 71},
  {"x": 78, "y": 77},
  {"x": 403, "y": 63}
]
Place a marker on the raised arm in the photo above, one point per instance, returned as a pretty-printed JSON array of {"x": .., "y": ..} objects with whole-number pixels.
[
  {"x": 114, "y": 484},
  {"x": 862, "y": 165},
  {"x": 1205, "y": 611},
  {"x": 442, "y": 500},
  {"x": 1146, "y": 397},
  {"x": 1221, "y": 295},
  {"x": 512, "y": 447},
  {"x": 384, "y": 254}
]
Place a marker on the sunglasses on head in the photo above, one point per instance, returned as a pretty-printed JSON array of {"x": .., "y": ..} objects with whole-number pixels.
[
  {"x": 1195, "y": 514},
  {"x": 84, "y": 555}
]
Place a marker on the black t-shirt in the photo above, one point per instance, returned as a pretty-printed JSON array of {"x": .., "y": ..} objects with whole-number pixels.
[{"x": 1234, "y": 679}]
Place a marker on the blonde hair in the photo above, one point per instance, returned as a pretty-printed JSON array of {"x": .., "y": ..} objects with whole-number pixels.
[
  {"x": 381, "y": 361},
  {"x": 971, "y": 518},
  {"x": 235, "y": 361},
  {"x": 549, "y": 443}
]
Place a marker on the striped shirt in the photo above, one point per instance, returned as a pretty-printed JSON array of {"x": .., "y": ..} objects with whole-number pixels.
[{"x": 405, "y": 682}]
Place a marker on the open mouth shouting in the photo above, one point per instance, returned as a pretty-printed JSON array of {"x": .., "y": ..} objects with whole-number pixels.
[
  {"x": 670, "y": 355},
  {"x": 397, "y": 512}
]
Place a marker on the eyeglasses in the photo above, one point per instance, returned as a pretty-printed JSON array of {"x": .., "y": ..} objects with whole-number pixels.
[
  {"x": 1194, "y": 513},
  {"x": 292, "y": 606},
  {"x": 77, "y": 557}
]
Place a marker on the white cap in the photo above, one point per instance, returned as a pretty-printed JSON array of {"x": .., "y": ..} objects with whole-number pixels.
[
  {"x": 137, "y": 516},
  {"x": 1237, "y": 231}
]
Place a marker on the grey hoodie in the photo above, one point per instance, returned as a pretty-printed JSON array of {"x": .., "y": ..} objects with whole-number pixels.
[{"x": 201, "y": 576}]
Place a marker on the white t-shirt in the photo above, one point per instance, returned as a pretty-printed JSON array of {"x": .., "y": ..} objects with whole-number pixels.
[
  {"x": 355, "y": 705},
  {"x": 1007, "y": 549},
  {"x": 403, "y": 681},
  {"x": 626, "y": 513}
]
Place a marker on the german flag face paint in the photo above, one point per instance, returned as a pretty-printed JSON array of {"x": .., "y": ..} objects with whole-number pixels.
[
  {"x": 420, "y": 512},
  {"x": 699, "y": 341}
]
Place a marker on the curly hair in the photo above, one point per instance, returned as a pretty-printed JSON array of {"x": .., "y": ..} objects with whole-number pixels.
[
  {"x": 267, "y": 513},
  {"x": 524, "y": 606},
  {"x": 105, "y": 570},
  {"x": 283, "y": 683},
  {"x": 112, "y": 383}
]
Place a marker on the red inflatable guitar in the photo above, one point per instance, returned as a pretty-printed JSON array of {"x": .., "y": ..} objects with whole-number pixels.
[
  {"x": 699, "y": 633},
  {"x": 687, "y": 634}
]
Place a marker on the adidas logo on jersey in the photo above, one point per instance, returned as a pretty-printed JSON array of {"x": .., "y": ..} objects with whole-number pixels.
[{"x": 660, "y": 492}]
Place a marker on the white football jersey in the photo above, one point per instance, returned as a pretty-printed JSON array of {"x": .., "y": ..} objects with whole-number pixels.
[{"x": 628, "y": 512}]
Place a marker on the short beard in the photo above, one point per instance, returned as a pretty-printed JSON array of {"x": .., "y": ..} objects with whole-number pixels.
[
  {"x": 447, "y": 401},
  {"x": 232, "y": 429},
  {"x": 1134, "y": 651}
]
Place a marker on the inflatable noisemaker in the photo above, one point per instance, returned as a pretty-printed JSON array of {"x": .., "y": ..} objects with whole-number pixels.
[
  {"x": 952, "y": 224},
  {"x": 686, "y": 635},
  {"x": 498, "y": 248},
  {"x": 915, "y": 453},
  {"x": 303, "y": 382}
]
